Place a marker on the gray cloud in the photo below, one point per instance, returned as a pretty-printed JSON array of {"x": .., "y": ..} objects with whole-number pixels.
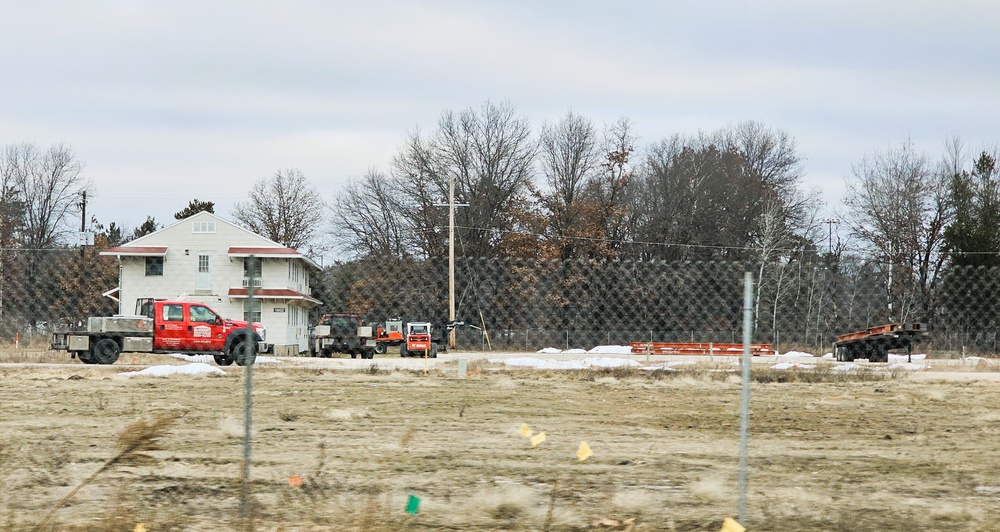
[{"x": 171, "y": 101}]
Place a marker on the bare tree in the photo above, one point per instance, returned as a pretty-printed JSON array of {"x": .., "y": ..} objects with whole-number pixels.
[
  {"x": 489, "y": 154},
  {"x": 44, "y": 189},
  {"x": 285, "y": 208},
  {"x": 613, "y": 188},
  {"x": 50, "y": 184},
  {"x": 569, "y": 158},
  {"x": 899, "y": 209},
  {"x": 368, "y": 219}
]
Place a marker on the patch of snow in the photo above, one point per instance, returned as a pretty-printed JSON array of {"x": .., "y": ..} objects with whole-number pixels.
[
  {"x": 611, "y": 350},
  {"x": 905, "y": 366},
  {"x": 790, "y": 365},
  {"x": 575, "y": 351},
  {"x": 846, "y": 367},
  {"x": 549, "y": 351},
  {"x": 661, "y": 367},
  {"x": 600, "y": 362},
  {"x": 204, "y": 359},
  {"x": 796, "y": 354},
  {"x": 539, "y": 363},
  {"x": 605, "y": 362},
  {"x": 196, "y": 368},
  {"x": 208, "y": 359},
  {"x": 828, "y": 355},
  {"x": 893, "y": 357}
]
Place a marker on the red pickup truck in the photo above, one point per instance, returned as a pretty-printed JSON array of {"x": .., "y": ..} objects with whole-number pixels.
[{"x": 165, "y": 327}]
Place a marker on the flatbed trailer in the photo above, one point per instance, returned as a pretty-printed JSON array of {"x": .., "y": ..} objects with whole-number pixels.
[
  {"x": 696, "y": 348},
  {"x": 875, "y": 342}
]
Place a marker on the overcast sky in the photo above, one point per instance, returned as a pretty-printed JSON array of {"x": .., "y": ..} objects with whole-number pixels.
[{"x": 169, "y": 101}]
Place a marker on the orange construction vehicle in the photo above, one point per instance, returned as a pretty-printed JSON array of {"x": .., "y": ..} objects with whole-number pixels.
[
  {"x": 421, "y": 340},
  {"x": 388, "y": 334}
]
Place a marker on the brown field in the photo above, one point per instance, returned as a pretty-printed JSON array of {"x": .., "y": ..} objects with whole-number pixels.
[{"x": 887, "y": 451}]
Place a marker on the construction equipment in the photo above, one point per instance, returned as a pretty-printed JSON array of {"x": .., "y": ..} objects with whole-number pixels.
[
  {"x": 422, "y": 340},
  {"x": 388, "y": 334},
  {"x": 343, "y": 333},
  {"x": 874, "y": 343},
  {"x": 694, "y": 348}
]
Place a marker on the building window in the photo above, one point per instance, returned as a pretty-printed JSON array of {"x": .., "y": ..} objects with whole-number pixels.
[
  {"x": 154, "y": 266},
  {"x": 203, "y": 227},
  {"x": 251, "y": 267},
  {"x": 251, "y": 310}
]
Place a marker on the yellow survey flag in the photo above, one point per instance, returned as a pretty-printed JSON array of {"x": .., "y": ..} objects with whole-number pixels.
[
  {"x": 537, "y": 438},
  {"x": 584, "y": 451},
  {"x": 730, "y": 525},
  {"x": 525, "y": 431},
  {"x": 139, "y": 527}
]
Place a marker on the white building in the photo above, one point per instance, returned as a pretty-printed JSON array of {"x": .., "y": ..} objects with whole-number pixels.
[{"x": 208, "y": 259}]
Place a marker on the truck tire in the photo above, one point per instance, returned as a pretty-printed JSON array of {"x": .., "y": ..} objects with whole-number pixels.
[
  {"x": 368, "y": 354},
  {"x": 381, "y": 348},
  {"x": 245, "y": 353},
  {"x": 434, "y": 351},
  {"x": 85, "y": 357},
  {"x": 105, "y": 351},
  {"x": 224, "y": 360},
  {"x": 326, "y": 352},
  {"x": 402, "y": 351}
]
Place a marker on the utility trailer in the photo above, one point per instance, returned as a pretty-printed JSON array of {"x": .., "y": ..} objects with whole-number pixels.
[{"x": 874, "y": 343}]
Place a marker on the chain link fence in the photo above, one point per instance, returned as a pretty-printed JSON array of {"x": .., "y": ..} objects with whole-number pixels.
[{"x": 529, "y": 304}]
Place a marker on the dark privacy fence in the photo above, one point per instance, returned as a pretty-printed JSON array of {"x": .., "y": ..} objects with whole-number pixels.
[{"x": 531, "y": 304}]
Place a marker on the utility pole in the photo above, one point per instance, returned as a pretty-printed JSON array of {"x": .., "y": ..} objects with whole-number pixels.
[
  {"x": 829, "y": 222},
  {"x": 451, "y": 255},
  {"x": 83, "y": 222}
]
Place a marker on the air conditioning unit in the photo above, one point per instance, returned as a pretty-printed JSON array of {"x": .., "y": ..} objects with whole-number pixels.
[{"x": 251, "y": 282}]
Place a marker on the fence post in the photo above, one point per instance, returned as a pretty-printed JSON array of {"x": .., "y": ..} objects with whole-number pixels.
[
  {"x": 251, "y": 346},
  {"x": 745, "y": 397}
]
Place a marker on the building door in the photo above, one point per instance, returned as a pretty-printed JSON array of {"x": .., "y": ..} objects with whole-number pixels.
[{"x": 203, "y": 277}]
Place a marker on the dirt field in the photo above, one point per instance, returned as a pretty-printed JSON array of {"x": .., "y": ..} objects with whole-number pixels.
[{"x": 891, "y": 452}]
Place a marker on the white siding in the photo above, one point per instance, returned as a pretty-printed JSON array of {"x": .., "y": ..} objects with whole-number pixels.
[{"x": 288, "y": 328}]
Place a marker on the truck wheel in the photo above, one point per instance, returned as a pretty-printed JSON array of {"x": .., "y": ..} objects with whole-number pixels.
[
  {"x": 381, "y": 348},
  {"x": 368, "y": 354},
  {"x": 353, "y": 352},
  {"x": 244, "y": 352},
  {"x": 402, "y": 351},
  {"x": 434, "y": 351},
  {"x": 326, "y": 352},
  {"x": 224, "y": 360},
  {"x": 85, "y": 357},
  {"x": 105, "y": 351}
]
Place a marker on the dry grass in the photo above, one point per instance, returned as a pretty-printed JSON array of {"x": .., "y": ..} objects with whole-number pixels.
[{"x": 829, "y": 451}]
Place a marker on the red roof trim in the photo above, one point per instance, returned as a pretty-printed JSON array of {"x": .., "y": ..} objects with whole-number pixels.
[
  {"x": 136, "y": 250},
  {"x": 272, "y": 293},
  {"x": 263, "y": 251}
]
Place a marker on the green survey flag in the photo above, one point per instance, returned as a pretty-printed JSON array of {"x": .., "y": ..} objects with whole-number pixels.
[{"x": 413, "y": 505}]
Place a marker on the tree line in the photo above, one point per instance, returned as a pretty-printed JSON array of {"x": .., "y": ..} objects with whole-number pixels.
[{"x": 576, "y": 190}]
